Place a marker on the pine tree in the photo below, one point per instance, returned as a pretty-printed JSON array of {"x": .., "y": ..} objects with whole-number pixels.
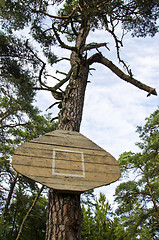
[
  {"x": 69, "y": 29},
  {"x": 138, "y": 199}
]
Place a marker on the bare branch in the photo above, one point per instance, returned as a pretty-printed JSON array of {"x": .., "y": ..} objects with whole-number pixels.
[
  {"x": 118, "y": 43},
  {"x": 52, "y": 105},
  {"x": 62, "y": 44},
  {"x": 42, "y": 68},
  {"x": 57, "y": 71},
  {"x": 58, "y": 85},
  {"x": 53, "y": 119},
  {"x": 61, "y": 59},
  {"x": 57, "y": 17},
  {"x": 13, "y": 125},
  {"x": 95, "y": 46},
  {"x": 40, "y": 76},
  {"x": 98, "y": 57},
  {"x": 41, "y": 88}
]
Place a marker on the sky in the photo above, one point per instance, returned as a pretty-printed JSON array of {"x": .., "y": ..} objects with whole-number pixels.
[{"x": 114, "y": 108}]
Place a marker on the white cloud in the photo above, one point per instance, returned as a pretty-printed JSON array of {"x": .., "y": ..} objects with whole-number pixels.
[{"x": 113, "y": 108}]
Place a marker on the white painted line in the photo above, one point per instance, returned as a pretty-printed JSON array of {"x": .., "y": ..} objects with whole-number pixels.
[{"x": 67, "y": 174}]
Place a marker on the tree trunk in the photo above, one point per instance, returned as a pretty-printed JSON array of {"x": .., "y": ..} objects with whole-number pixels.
[
  {"x": 64, "y": 210},
  {"x": 64, "y": 216}
]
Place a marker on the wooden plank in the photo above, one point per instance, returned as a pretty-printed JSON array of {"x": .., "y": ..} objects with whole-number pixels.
[
  {"x": 47, "y": 146},
  {"x": 91, "y": 174},
  {"x": 65, "y": 164},
  {"x": 67, "y": 185},
  {"x": 66, "y": 161},
  {"x": 70, "y": 185},
  {"x": 68, "y": 140},
  {"x": 30, "y": 149}
]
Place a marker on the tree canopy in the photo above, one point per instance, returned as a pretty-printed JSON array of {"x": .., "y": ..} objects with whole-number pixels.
[{"x": 73, "y": 22}]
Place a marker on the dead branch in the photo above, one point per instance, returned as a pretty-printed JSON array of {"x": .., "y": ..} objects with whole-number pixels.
[
  {"x": 98, "y": 57},
  {"x": 95, "y": 46},
  {"x": 53, "y": 119},
  {"x": 58, "y": 85}
]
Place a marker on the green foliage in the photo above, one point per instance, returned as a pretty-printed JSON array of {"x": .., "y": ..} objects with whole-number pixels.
[
  {"x": 145, "y": 21},
  {"x": 99, "y": 222},
  {"x": 22, "y": 64},
  {"x": 137, "y": 16},
  {"x": 34, "y": 227},
  {"x": 138, "y": 199},
  {"x": 20, "y": 121},
  {"x": 19, "y": 13},
  {"x": 88, "y": 198}
]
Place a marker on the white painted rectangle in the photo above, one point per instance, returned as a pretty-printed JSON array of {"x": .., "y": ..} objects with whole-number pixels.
[{"x": 75, "y": 163}]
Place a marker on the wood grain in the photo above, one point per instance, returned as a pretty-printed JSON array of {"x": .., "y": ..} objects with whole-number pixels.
[{"x": 66, "y": 161}]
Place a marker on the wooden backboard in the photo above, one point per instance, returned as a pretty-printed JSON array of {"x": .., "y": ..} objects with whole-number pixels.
[{"x": 66, "y": 161}]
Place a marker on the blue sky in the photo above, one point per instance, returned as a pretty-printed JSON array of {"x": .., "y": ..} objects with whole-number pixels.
[{"x": 113, "y": 108}]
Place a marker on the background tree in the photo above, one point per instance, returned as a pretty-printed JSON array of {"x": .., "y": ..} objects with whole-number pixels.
[
  {"x": 18, "y": 126},
  {"x": 20, "y": 121},
  {"x": 99, "y": 221},
  {"x": 35, "y": 225},
  {"x": 138, "y": 199},
  {"x": 73, "y": 23}
]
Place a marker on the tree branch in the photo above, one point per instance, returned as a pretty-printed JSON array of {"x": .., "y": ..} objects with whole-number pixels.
[
  {"x": 10, "y": 195},
  {"x": 73, "y": 29},
  {"x": 58, "y": 85},
  {"x": 13, "y": 125},
  {"x": 52, "y": 105},
  {"x": 95, "y": 46},
  {"x": 62, "y": 44},
  {"x": 98, "y": 57},
  {"x": 28, "y": 213},
  {"x": 57, "y": 17}
]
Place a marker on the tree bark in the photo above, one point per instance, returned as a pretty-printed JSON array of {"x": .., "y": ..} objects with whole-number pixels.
[
  {"x": 64, "y": 216},
  {"x": 64, "y": 210}
]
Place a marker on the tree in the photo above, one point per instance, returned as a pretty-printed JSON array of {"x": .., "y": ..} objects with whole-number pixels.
[
  {"x": 138, "y": 199},
  {"x": 20, "y": 121},
  {"x": 99, "y": 222},
  {"x": 12, "y": 183},
  {"x": 35, "y": 225},
  {"x": 73, "y": 23}
]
